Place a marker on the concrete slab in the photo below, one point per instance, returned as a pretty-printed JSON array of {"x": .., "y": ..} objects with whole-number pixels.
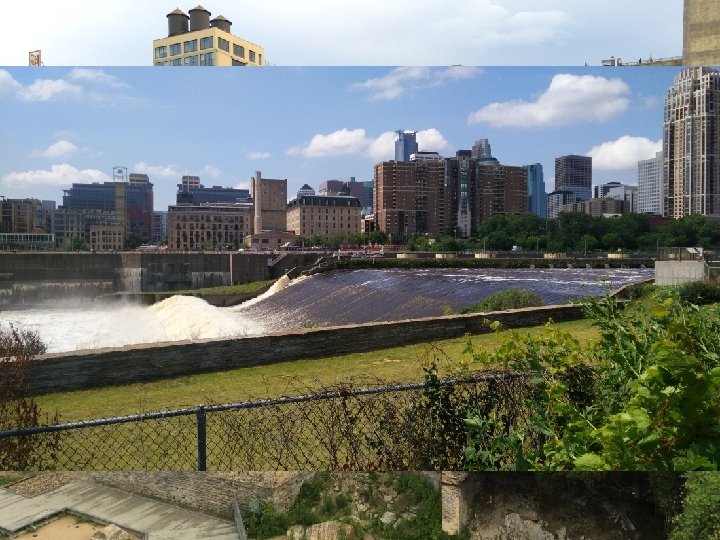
[{"x": 156, "y": 520}]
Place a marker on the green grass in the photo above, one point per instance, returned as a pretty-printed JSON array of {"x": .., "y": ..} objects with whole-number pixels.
[
  {"x": 288, "y": 378},
  {"x": 244, "y": 288}
]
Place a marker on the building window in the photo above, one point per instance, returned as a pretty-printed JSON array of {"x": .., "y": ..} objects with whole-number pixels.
[
  {"x": 223, "y": 44},
  {"x": 206, "y": 42},
  {"x": 238, "y": 50},
  {"x": 175, "y": 48},
  {"x": 259, "y": 58},
  {"x": 207, "y": 59},
  {"x": 161, "y": 63},
  {"x": 251, "y": 55},
  {"x": 190, "y": 46},
  {"x": 237, "y": 63},
  {"x": 177, "y": 62},
  {"x": 191, "y": 60},
  {"x": 161, "y": 52}
]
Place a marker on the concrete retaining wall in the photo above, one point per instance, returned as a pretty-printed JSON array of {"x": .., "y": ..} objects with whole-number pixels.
[
  {"x": 107, "y": 367},
  {"x": 27, "y": 278},
  {"x": 678, "y": 272}
]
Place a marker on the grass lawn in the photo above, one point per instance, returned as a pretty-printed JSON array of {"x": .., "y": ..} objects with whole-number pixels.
[{"x": 289, "y": 378}]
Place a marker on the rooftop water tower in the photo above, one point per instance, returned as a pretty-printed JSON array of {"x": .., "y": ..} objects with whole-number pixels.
[
  {"x": 199, "y": 18},
  {"x": 221, "y": 23},
  {"x": 177, "y": 22}
]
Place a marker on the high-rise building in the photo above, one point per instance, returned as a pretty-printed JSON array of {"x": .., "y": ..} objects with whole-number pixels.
[
  {"x": 481, "y": 149},
  {"x": 195, "y": 40},
  {"x": 160, "y": 226},
  {"x": 405, "y": 145},
  {"x": 537, "y": 198},
  {"x": 502, "y": 189},
  {"x": 701, "y": 33},
  {"x": 691, "y": 144},
  {"x": 619, "y": 192},
  {"x": 410, "y": 198},
  {"x": 574, "y": 173},
  {"x": 651, "y": 187}
]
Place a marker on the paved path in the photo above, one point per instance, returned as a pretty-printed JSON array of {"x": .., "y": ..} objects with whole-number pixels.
[{"x": 156, "y": 520}]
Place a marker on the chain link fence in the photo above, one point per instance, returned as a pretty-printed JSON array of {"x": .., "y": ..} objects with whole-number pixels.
[{"x": 418, "y": 426}]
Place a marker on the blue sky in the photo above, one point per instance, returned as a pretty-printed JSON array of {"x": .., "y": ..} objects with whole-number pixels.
[
  {"x": 64, "y": 125},
  {"x": 356, "y": 32}
]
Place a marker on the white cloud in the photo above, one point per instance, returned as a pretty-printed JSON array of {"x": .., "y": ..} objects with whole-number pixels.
[
  {"x": 623, "y": 153},
  {"x": 47, "y": 89},
  {"x": 96, "y": 76},
  {"x": 242, "y": 185},
  {"x": 394, "y": 84},
  {"x": 356, "y": 141},
  {"x": 259, "y": 155},
  {"x": 382, "y": 148},
  {"x": 59, "y": 150},
  {"x": 210, "y": 170},
  {"x": 337, "y": 143},
  {"x": 568, "y": 99},
  {"x": 8, "y": 85},
  {"x": 57, "y": 175},
  {"x": 157, "y": 170}
]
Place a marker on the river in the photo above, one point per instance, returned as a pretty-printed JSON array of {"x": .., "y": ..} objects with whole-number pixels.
[{"x": 332, "y": 298}]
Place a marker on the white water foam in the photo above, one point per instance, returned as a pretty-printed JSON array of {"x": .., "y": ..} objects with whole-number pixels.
[
  {"x": 276, "y": 287},
  {"x": 177, "y": 318}
]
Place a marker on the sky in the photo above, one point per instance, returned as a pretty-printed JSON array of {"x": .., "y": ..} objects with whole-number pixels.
[
  {"x": 309, "y": 124},
  {"x": 356, "y": 32}
]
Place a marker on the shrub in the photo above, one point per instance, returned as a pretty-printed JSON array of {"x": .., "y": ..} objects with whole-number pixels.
[
  {"x": 17, "y": 408},
  {"x": 699, "y": 293},
  {"x": 508, "y": 299},
  {"x": 700, "y": 517}
]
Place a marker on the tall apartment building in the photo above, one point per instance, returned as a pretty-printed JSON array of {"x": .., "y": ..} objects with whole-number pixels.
[
  {"x": 405, "y": 145},
  {"x": 537, "y": 198},
  {"x": 410, "y": 198},
  {"x": 691, "y": 144},
  {"x": 574, "y": 173},
  {"x": 195, "y": 40},
  {"x": 324, "y": 215},
  {"x": 701, "y": 33},
  {"x": 502, "y": 189},
  {"x": 651, "y": 187}
]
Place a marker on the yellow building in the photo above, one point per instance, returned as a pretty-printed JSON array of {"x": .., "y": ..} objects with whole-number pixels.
[
  {"x": 195, "y": 40},
  {"x": 324, "y": 215}
]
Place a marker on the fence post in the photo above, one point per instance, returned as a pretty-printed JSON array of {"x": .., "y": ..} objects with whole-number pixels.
[{"x": 201, "y": 439}]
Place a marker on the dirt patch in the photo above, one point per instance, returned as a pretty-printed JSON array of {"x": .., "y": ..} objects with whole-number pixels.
[
  {"x": 44, "y": 482},
  {"x": 68, "y": 528}
]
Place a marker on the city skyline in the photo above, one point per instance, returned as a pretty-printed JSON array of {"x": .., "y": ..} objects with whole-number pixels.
[
  {"x": 325, "y": 32},
  {"x": 312, "y": 124}
]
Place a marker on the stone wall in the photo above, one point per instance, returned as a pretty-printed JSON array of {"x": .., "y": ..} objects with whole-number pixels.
[
  {"x": 90, "y": 368},
  {"x": 211, "y": 492}
]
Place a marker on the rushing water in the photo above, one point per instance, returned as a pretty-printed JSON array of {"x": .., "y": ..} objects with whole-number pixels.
[{"x": 333, "y": 298}]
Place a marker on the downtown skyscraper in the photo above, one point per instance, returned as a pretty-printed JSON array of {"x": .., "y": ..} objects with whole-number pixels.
[{"x": 691, "y": 144}]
